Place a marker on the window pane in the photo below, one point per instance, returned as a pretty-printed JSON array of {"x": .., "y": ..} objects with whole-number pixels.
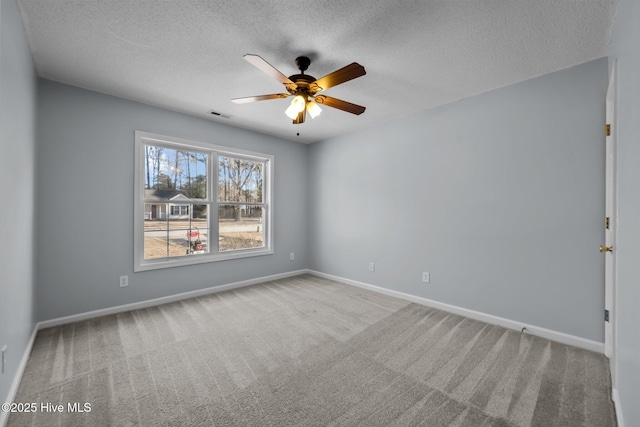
[
  {"x": 182, "y": 231},
  {"x": 240, "y": 180},
  {"x": 156, "y": 243},
  {"x": 188, "y": 231},
  {"x": 173, "y": 174},
  {"x": 197, "y": 235},
  {"x": 240, "y": 227}
]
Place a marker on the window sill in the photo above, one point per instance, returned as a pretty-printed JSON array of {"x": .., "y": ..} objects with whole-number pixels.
[{"x": 162, "y": 263}]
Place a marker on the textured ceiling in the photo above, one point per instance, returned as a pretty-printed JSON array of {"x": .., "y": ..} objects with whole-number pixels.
[{"x": 186, "y": 56}]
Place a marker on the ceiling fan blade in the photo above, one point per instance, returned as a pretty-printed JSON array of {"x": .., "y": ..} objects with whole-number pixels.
[
  {"x": 267, "y": 68},
  {"x": 259, "y": 98},
  {"x": 340, "y": 76},
  {"x": 340, "y": 104}
]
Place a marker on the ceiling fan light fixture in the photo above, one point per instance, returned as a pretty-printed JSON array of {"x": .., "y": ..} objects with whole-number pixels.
[
  {"x": 313, "y": 109},
  {"x": 297, "y": 105}
]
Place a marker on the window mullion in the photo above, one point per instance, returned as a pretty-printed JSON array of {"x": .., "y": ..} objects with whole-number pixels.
[
  {"x": 224, "y": 202},
  {"x": 214, "y": 232}
]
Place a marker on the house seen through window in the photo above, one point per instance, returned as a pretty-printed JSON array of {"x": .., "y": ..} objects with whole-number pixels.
[{"x": 199, "y": 203}]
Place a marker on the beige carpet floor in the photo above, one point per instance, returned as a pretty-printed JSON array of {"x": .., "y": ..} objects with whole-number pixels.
[{"x": 306, "y": 351}]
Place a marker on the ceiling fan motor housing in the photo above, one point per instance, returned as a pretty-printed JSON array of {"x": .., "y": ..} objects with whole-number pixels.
[
  {"x": 302, "y": 62},
  {"x": 301, "y": 80}
]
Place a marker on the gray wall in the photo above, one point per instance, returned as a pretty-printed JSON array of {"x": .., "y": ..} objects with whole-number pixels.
[
  {"x": 85, "y": 196},
  {"x": 626, "y": 47},
  {"x": 499, "y": 196},
  {"x": 17, "y": 166}
]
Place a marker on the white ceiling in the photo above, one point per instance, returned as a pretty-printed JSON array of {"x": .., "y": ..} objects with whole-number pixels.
[{"x": 186, "y": 55}]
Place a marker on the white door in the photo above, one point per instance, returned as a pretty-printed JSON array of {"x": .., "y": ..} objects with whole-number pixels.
[{"x": 609, "y": 247}]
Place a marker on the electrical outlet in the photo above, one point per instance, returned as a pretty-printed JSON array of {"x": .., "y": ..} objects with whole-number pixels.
[
  {"x": 372, "y": 267},
  {"x": 426, "y": 277},
  {"x": 124, "y": 281},
  {"x": 4, "y": 358},
  {"x": 292, "y": 256}
]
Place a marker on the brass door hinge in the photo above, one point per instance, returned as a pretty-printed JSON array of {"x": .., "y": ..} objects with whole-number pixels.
[
  {"x": 606, "y": 223},
  {"x": 607, "y": 129}
]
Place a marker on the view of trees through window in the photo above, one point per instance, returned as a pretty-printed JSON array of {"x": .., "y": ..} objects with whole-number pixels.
[
  {"x": 240, "y": 213},
  {"x": 170, "y": 169},
  {"x": 178, "y": 206}
]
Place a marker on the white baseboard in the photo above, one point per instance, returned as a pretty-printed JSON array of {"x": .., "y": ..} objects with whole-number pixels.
[
  {"x": 13, "y": 390},
  {"x": 164, "y": 300},
  {"x": 616, "y": 402},
  {"x": 561, "y": 337}
]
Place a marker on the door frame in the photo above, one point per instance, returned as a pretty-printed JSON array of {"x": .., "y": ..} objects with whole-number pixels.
[{"x": 611, "y": 212}]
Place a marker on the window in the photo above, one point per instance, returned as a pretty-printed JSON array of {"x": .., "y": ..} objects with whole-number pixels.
[
  {"x": 197, "y": 202},
  {"x": 179, "y": 210}
]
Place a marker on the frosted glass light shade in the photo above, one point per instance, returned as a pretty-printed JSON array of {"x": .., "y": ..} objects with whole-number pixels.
[
  {"x": 297, "y": 105},
  {"x": 313, "y": 109}
]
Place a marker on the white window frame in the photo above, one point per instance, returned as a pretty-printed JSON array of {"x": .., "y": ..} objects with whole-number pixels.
[{"x": 146, "y": 138}]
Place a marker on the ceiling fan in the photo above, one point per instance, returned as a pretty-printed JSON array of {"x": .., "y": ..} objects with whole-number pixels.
[{"x": 304, "y": 88}]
